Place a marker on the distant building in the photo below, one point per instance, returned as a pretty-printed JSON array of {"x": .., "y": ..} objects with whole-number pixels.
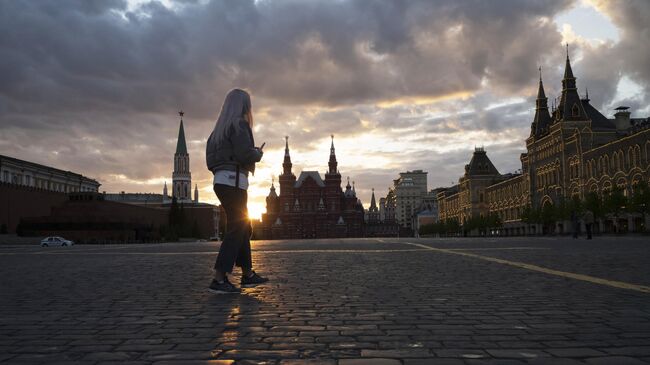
[
  {"x": 25, "y": 173},
  {"x": 28, "y": 189},
  {"x": 410, "y": 188},
  {"x": 427, "y": 212},
  {"x": 468, "y": 198},
  {"x": 310, "y": 206},
  {"x": 388, "y": 207},
  {"x": 572, "y": 150},
  {"x": 376, "y": 223},
  {"x": 372, "y": 214},
  {"x": 136, "y": 198}
]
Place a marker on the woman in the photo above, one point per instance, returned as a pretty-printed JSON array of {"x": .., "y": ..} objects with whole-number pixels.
[{"x": 231, "y": 155}]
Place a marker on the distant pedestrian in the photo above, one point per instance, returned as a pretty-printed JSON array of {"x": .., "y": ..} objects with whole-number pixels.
[
  {"x": 589, "y": 222},
  {"x": 231, "y": 155},
  {"x": 575, "y": 223}
]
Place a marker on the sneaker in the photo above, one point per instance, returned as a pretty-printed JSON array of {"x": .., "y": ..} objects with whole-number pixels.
[
  {"x": 224, "y": 287},
  {"x": 253, "y": 280}
]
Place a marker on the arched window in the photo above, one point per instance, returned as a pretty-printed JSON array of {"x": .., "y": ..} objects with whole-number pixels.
[
  {"x": 593, "y": 168},
  {"x": 575, "y": 110}
]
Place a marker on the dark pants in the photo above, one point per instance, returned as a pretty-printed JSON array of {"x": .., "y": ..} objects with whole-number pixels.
[
  {"x": 236, "y": 244},
  {"x": 588, "y": 226},
  {"x": 576, "y": 229}
]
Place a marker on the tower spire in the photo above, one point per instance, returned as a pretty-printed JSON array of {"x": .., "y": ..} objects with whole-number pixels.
[
  {"x": 272, "y": 192},
  {"x": 542, "y": 119},
  {"x": 568, "y": 72},
  {"x": 348, "y": 189},
  {"x": 540, "y": 90},
  {"x": 286, "y": 146},
  {"x": 181, "y": 176},
  {"x": 287, "y": 157},
  {"x": 333, "y": 164},
  {"x": 570, "y": 107},
  {"x": 181, "y": 147},
  {"x": 373, "y": 203}
]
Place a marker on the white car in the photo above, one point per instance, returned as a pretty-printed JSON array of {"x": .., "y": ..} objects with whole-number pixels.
[{"x": 56, "y": 241}]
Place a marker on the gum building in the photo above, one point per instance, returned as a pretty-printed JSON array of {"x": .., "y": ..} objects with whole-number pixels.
[
  {"x": 572, "y": 150},
  {"x": 310, "y": 206}
]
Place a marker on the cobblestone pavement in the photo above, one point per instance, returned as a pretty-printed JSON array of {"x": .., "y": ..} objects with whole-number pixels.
[{"x": 365, "y": 301}]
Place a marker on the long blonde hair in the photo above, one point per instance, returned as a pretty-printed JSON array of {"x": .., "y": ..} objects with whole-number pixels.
[{"x": 235, "y": 108}]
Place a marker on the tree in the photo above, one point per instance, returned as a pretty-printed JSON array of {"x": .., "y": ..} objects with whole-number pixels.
[
  {"x": 531, "y": 215},
  {"x": 563, "y": 210},
  {"x": 594, "y": 203},
  {"x": 615, "y": 203},
  {"x": 548, "y": 215},
  {"x": 577, "y": 205},
  {"x": 450, "y": 226},
  {"x": 493, "y": 221},
  {"x": 640, "y": 200}
]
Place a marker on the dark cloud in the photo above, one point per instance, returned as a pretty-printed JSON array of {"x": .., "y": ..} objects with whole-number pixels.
[
  {"x": 93, "y": 54},
  {"x": 633, "y": 20},
  {"x": 603, "y": 65},
  {"x": 94, "y": 87}
]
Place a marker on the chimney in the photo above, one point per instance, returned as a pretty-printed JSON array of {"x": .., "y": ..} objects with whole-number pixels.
[{"x": 622, "y": 118}]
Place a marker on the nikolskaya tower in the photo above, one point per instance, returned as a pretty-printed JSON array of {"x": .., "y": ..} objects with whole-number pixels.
[{"x": 182, "y": 177}]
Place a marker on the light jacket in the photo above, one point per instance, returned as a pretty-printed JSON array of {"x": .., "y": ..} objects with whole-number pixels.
[{"x": 237, "y": 152}]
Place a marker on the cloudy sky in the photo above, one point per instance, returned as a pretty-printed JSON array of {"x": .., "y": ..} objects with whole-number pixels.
[{"x": 94, "y": 86}]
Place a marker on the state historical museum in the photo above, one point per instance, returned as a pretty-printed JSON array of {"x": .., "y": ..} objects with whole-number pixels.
[{"x": 311, "y": 207}]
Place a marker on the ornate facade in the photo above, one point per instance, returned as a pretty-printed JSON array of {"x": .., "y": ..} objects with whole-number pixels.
[
  {"x": 573, "y": 149},
  {"x": 310, "y": 207}
]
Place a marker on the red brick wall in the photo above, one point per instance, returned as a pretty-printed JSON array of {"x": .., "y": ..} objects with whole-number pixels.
[{"x": 18, "y": 202}]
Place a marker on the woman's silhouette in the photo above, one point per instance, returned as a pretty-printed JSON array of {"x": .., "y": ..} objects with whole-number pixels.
[{"x": 231, "y": 155}]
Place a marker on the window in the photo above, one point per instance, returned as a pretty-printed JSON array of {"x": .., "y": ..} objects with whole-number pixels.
[{"x": 575, "y": 110}]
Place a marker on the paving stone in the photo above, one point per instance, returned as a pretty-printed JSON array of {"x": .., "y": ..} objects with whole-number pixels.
[
  {"x": 517, "y": 354},
  {"x": 375, "y": 361},
  {"x": 260, "y": 354},
  {"x": 108, "y": 356},
  {"x": 388, "y": 305},
  {"x": 554, "y": 361},
  {"x": 495, "y": 362},
  {"x": 629, "y": 351},
  {"x": 195, "y": 362},
  {"x": 433, "y": 361},
  {"x": 618, "y": 360},
  {"x": 396, "y": 354},
  {"x": 461, "y": 353},
  {"x": 574, "y": 352}
]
